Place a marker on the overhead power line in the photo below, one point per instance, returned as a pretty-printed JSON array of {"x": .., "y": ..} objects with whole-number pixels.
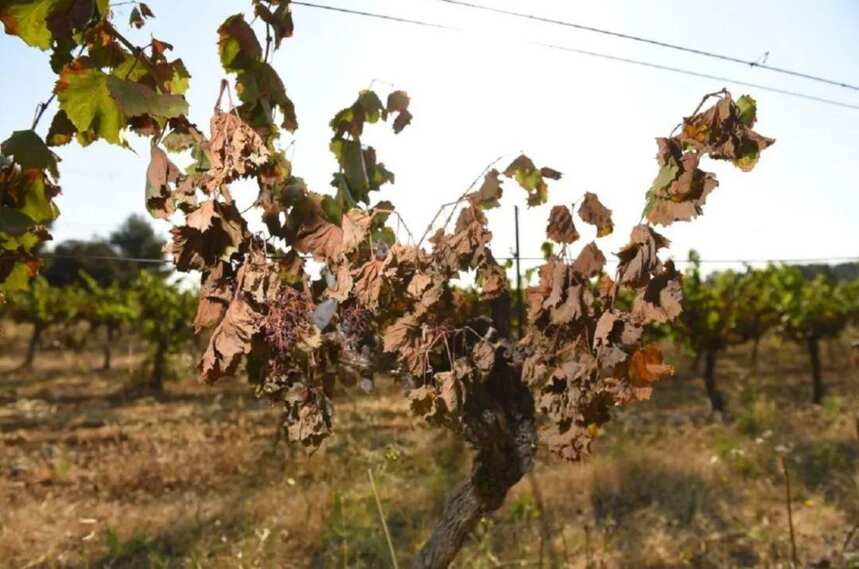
[
  {"x": 819, "y": 260},
  {"x": 659, "y": 43},
  {"x": 138, "y": 260},
  {"x": 141, "y": 260},
  {"x": 596, "y": 54}
]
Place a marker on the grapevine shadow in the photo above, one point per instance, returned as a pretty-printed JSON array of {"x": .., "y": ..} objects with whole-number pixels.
[
  {"x": 634, "y": 481},
  {"x": 185, "y": 543},
  {"x": 642, "y": 498}
]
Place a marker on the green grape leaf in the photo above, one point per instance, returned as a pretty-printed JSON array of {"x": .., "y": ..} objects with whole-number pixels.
[
  {"x": 135, "y": 99},
  {"x": 28, "y": 21},
  {"x": 261, "y": 90},
  {"x": 13, "y": 222},
  {"x": 367, "y": 108},
  {"x": 84, "y": 94},
  {"x": 30, "y": 151},
  {"x": 179, "y": 79},
  {"x": 38, "y": 196},
  {"x": 748, "y": 109},
  {"x": 238, "y": 46},
  {"x": 17, "y": 279}
]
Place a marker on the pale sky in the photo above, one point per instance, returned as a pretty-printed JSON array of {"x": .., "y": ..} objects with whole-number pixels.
[{"x": 489, "y": 91}]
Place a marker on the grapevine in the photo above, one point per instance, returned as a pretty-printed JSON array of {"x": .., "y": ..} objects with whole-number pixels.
[{"x": 380, "y": 303}]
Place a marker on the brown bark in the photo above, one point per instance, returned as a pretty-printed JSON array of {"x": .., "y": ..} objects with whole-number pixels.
[
  {"x": 816, "y": 370},
  {"x": 110, "y": 333},
  {"x": 500, "y": 426},
  {"x": 505, "y": 440},
  {"x": 717, "y": 400},
  {"x": 159, "y": 367},
  {"x": 35, "y": 337},
  {"x": 756, "y": 344}
]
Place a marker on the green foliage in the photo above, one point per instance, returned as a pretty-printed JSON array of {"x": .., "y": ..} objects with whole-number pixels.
[
  {"x": 815, "y": 308},
  {"x": 709, "y": 314},
  {"x": 28, "y": 174},
  {"x": 105, "y": 86},
  {"x": 756, "y": 310},
  {"x": 111, "y": 306},
  {"x": 165, "y": 318},
  {"x": 41, "y": 304}
]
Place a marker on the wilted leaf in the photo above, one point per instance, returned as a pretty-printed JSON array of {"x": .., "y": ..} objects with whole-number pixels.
[
  {"x": 594, "y": 212},
  {"x": 238, "y": 46},
  {"x": 561, "y": 228}
]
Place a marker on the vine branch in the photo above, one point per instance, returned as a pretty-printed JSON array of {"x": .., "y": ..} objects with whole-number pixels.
[{"x": 458, "y": 200}]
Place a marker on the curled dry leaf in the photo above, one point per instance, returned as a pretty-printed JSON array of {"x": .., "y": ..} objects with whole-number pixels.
[
  {"x": 722, "y": 132},
  {"x": 161, "y": 176},
  {"x": 638, "y": 260},
  {"x": 214, "y": 233},
  {"x": 594, "y": 212},
  {"x": 645, "y": 368},
  {"x": 561, "y": 228},
  {"x": 233, "y": 337},
  {"x": 216, "y": 293},
  {"x": 235, "y": 150},
  {"x": 590, "y": 261},
  {"x": 531, "y": 178},
  {"x": 661, "y": 299},
  {"x": 490, "y": 191}
]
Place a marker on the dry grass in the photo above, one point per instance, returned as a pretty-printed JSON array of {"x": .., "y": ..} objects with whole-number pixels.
[{"x": 97, "y": 475}]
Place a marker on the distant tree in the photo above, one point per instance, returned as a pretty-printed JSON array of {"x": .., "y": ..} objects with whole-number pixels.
[
  {"x": 136, "y": 239},
  {"x": 42, "y": 306},
  {"x": 842, "y": 272},
  {"x": 708, "y": 321},
  {"x": 812, "y": 310},
  {"x": 166, "y": 316},
  {"x": 69, "y": 258}
]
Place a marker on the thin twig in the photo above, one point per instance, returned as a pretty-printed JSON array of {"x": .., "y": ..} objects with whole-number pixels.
[
  {"x": 458, "y": 200},
  {"x": 399, "y": 217},
  {"x": 793, "y": 556},
  {"x": 267, "y": 41},
  {"x": 382, "y": 517},
  {"x": 136, "y": 51},
  {"x": 720, "y": 93}
]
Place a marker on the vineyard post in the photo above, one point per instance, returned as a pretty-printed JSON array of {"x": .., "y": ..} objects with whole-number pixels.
[{"x": 520, "y": 305}]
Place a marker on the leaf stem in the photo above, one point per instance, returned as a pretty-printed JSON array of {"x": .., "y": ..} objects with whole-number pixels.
[{"x": 40, "y": 110}]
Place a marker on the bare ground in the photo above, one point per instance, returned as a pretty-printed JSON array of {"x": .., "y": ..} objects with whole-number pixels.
[{"x": 94, "y": 473}]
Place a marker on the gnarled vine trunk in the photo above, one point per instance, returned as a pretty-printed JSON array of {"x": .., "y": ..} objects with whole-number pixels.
[
  {"x": 501, "y": 427},
  {"x": 505, "y": 450}
]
